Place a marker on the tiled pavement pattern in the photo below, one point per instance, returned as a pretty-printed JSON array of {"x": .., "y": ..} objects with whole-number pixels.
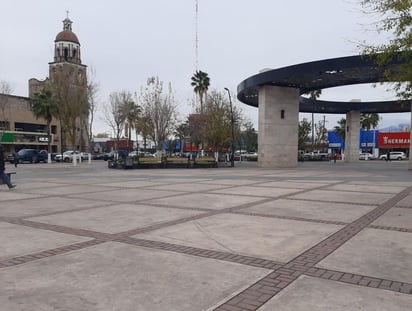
[{"x": 319, "y": 237}]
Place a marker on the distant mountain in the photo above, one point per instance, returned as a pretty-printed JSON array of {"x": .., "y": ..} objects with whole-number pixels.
[{"x": 401, "y": 127}]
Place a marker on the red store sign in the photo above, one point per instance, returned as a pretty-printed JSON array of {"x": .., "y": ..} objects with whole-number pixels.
[{"x": 394, "y": 140}]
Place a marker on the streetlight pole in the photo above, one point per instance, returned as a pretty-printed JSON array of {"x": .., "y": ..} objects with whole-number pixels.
[{"x": 232, "y": 147}]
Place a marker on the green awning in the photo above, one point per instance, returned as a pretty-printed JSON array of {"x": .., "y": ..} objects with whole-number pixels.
[{"x": 7, "y": 137}]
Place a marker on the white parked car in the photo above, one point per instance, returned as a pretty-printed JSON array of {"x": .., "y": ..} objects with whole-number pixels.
[
  {"x": 68, "y": 156},
  {"x": 394, "y": 155},
  {"x": 366, "y": 156},
  {"x": 85, "y": 156}
]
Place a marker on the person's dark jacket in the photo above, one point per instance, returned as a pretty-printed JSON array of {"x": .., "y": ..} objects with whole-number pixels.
[{"x": 2, "y": 167}]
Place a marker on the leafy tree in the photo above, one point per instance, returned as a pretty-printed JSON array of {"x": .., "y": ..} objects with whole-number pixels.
[
  {"x": 395, "y": 20},
  {"x": 145, "y": 127},
  {"x": 218, "y": 120},
  {"x": 249, "y": 136},
  {"x": 201, "y": 83},
  {"x": 43, "y": 106},
  {"x": 181, "y": 132},
  {"x": 368, "y": 121},
  {"x": 305, "y": 128},
  {"x": 159, "y": 109}
]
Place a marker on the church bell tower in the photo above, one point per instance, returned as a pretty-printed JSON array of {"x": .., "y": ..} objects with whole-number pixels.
[{"x": 68, "y": 79}]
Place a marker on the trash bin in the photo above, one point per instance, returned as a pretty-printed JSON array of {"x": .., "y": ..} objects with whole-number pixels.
[{"x": 128, "y": 163}]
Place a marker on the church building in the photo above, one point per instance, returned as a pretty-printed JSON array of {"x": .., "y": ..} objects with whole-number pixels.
[{"x": 67, "y": 81}]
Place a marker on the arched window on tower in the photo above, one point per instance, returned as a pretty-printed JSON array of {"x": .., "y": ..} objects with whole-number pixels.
[
  {"x": 74, "y": 53},
  {"x": 66, "y": 53}
]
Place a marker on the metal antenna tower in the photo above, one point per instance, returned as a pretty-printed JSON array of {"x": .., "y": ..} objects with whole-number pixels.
[{"x": 196, "y": 37}]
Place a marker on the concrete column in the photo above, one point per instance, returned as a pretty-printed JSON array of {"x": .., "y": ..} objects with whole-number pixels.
[
  {"x": 278, "y": 127},
  {"x": 352, "y": 136}
]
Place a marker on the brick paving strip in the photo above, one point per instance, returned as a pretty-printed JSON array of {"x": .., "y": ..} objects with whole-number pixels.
[{"x": 258, "y": 294}]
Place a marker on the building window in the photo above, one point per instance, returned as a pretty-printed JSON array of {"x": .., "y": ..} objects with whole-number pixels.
[{"x": 53, "y": 129}]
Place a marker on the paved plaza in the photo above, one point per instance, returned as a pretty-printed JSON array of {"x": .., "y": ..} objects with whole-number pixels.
[{"x": 323, "y": 236}]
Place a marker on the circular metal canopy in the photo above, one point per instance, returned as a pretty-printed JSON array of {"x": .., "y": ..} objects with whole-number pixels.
[{"x": 323, "y": 74}]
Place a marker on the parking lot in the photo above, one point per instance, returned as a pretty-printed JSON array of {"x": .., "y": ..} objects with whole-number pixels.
[{"x": 322, "y": 236}]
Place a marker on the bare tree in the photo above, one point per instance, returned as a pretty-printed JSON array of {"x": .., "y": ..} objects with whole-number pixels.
[
  {"x": 321, "y": 135},
  {"x": 70, "y": 92},
  {"x": 92, "y": 91},
  {"x": 159, "y": 109},
  {"x": 115, "y": 113}
]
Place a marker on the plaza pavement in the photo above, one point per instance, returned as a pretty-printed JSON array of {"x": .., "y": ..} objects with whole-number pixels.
[{"x": 323, "y": 236}]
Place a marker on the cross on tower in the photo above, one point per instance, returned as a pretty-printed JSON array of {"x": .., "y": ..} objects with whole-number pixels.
[{"x": 67, "y": 13}]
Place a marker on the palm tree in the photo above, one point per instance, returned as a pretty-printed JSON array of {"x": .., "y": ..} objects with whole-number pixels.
[
  {"x": 43, "y": 106},
  {"x": 132, "y": 115},
  {"x": 200, "y": 82},
  {"x": 180, "y": 132},
  {"x": 340, "y": 129},
  {"x": 368, "y": 121},
  {"x": 315, "y": 94}
]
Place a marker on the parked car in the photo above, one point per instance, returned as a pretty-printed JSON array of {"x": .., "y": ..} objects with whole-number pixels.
[
  {"x": 67, "y": 156},
  {"x": 366, "y": 156},
  {"x": 115, "y": 154},
  {"x": 85, "y": 156},
  {"x": 108, "y": 155},
  {"x": 394, "y": 155},
  {"x": 97, "y": 156},
  {"x": 28, "y": 155},
  {"x": 251, "y": 156}
]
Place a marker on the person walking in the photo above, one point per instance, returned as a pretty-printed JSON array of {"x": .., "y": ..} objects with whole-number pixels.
[
  {"x": 16, "y": 159},
  {"x": 3, "y": 174},
  {"x": 388, "y": 156}
]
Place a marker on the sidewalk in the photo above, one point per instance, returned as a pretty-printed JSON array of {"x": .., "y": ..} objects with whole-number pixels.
[{"x": 323, "y": 236}]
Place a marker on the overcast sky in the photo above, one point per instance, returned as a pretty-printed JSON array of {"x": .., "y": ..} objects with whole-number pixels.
[{"x": 127, "y": 41}]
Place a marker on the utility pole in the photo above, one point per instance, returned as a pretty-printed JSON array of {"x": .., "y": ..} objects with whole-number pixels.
[{"x": 232, "y": 147}]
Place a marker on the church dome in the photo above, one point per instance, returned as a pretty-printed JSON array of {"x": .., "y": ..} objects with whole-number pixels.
[
  {"x": 67, "y": 35},
  {"x": 66, "y": 45}
]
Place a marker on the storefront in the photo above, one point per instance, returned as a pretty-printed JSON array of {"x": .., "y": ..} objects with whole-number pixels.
[
  {"x": 16, "y": 140},
  {"x": 336, "y": 144},
  {"x": 394, "y": 141}
]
